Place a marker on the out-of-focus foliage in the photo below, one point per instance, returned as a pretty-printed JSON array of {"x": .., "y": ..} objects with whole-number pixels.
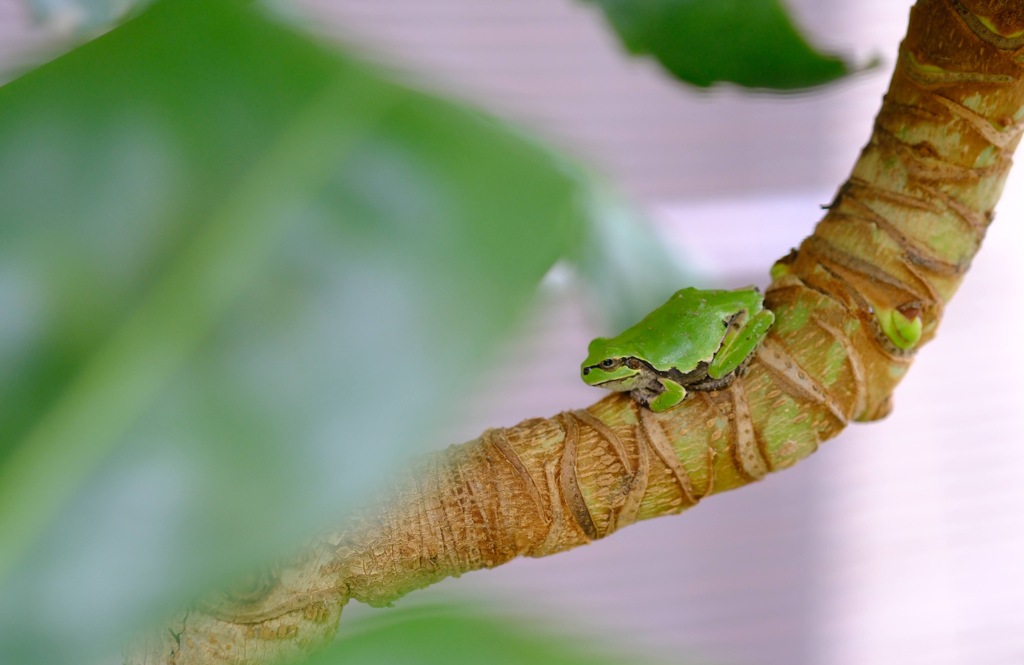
[
  {"x": 237, "y": 270},
  {"x": 461, "y": 635},
  {"x": 752, "y": 43}
]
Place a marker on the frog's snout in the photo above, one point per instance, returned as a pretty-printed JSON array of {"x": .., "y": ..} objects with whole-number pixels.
[{"x": 586, "y": 370}]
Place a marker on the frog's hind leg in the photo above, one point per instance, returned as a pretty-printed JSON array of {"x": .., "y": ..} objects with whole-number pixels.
[
  {"x": 737, "y": 345},
  {"x": 708, "y": 384}
]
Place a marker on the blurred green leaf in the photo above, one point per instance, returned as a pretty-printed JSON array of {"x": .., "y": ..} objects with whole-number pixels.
[
  {"x": 753, "y": 43},
  {"x": 460, "y": 635},
  {"x": 237, "y": 270}
]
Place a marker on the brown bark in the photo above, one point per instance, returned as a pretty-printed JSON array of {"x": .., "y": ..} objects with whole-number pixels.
[{"x": 899, "y": 236}]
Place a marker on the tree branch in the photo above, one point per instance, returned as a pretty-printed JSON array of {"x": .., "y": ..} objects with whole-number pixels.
[{"x": 852, "y": 305}]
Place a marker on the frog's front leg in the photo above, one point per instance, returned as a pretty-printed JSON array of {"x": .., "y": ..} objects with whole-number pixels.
[
  {"x": 739, "y": 343},
  {"x": 672, "y": 395}
]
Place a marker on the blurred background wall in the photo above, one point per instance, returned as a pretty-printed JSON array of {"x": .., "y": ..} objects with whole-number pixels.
[
  {"x": 553, "y": 66},
  {"x": 899, "y": 543}
]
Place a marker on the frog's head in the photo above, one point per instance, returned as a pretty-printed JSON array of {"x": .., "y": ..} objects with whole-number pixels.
[{"x": 609, "y": 367}]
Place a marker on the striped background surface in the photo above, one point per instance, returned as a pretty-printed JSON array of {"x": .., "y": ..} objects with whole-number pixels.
[{"x": 901, "y": 542}]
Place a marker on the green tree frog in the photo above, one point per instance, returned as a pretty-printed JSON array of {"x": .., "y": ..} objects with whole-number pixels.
[{"x": 698, "y": 340}]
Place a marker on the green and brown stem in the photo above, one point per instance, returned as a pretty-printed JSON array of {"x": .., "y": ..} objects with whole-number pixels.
[{"x": 852, "y": 304}]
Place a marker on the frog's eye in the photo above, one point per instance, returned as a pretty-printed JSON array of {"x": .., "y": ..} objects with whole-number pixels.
[
  {"x": 608, "y": 363},
  {"x": 633, "y": 363}
]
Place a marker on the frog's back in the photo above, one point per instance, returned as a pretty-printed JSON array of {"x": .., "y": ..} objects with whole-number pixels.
[{"x": 686, "y": 330}]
